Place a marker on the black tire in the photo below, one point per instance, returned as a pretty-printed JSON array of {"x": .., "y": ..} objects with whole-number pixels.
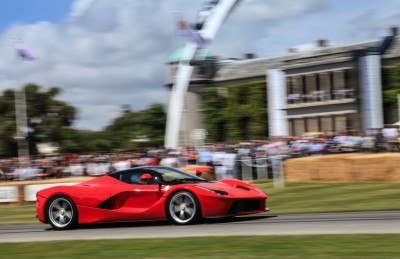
[
  {"x": 183, "y": 208},
  {"x": 61, "y": 212}
]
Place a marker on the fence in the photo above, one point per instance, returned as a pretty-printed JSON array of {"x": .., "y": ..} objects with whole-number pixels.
[{"x": 249, "y": 168}]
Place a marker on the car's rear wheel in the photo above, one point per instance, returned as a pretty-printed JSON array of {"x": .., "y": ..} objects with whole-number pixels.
[
  {"x": 61, "y": 212},
  {"x": 183, "y": 208}
]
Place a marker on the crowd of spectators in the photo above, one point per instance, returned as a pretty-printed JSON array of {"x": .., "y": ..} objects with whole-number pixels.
[{"x": 221, "y": 157}]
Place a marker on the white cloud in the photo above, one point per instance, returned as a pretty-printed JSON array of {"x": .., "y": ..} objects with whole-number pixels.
[
  {"x": 266, "y": 11},
  {"x": 257, "y": 19},
  {"x": 108, "y": 53},
  {"x": 374, "y": 21},
  {"x": 105, "y": 54},
  {"x": 80, "y": 7}
]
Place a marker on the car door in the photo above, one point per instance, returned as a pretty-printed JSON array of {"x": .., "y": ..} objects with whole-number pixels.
[{"x": 134, "y": 198}]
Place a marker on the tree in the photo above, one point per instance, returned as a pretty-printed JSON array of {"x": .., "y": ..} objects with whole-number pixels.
[
  {"x": 391, "y": 88},
  {"x": 236, "y": 112},
  {"x": 149, "y": 122},
  {"x": 47, "y": 118},
  {"x": 50, "y": 120}
]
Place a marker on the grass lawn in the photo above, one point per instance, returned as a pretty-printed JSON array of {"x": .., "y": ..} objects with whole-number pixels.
[
  {"x": 17, "y": 214},
  {"x": 308, "y": 197},
  {"x": 324, "y": 246},
  {"x": 294, "y": 198}
]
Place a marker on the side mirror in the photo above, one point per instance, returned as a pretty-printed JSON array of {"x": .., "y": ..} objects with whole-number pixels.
[
  {"x": 199, "y": 172},
  {"x": 145, "y": 178}
]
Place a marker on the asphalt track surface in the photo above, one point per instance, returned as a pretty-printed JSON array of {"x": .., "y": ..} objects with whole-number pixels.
[{"x": 377, "y": 222}]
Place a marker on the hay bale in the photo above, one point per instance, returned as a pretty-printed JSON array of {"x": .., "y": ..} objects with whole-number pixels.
[{"x": 345, "y": 168}]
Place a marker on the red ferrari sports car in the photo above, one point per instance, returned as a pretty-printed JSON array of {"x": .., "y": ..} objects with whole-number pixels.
[{"x": 146, "y": 193}]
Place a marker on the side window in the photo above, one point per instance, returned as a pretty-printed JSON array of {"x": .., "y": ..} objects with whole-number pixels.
[{"x": 133, "y": 177}]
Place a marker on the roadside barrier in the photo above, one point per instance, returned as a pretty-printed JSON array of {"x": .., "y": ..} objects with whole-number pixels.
[{"x": 25, "y": 191}]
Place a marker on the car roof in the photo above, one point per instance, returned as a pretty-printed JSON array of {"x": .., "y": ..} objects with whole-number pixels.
[{"x": 149, "y": 167}]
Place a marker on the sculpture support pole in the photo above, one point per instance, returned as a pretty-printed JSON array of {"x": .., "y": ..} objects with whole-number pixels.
[{"x": 176, "y": 100}]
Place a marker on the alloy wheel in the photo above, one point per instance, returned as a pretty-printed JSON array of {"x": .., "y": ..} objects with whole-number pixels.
[
  {"x": 61, "y": 212},
  {"x": 182, "y": 208}
]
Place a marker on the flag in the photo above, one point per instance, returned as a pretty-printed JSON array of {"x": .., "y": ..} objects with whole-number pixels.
[
  {"x": 24, "y": 53},
  {"x": 186, "y": 30}
]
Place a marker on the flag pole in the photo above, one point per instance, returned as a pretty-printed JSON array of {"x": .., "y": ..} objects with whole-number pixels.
[
  {"x": 21, "y": 117},
  {"x": 22, "y": 127}
]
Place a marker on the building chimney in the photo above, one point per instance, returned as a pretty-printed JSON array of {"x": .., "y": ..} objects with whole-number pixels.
[
  {"x": 394, "y": 31},
  {"x": 249, "y": 55},
  {"x": 322, "y": 43}
]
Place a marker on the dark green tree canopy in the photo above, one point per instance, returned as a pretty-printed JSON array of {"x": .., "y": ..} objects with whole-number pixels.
[
  {"x": 117, "y": 136},
  {"x": 391, "y": 88},
  {"x": 236, "y": 112},
  {"x": 47, "y": 118},
  {"x": 149, "y": 122},
  {"x": 50, "y": 120}
]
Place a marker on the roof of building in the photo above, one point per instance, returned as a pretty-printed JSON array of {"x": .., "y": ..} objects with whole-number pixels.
[
  {"x": 257, "y": 67},
  {"x": 394, "y": 49}
]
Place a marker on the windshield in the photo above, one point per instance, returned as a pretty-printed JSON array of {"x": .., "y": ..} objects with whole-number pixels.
[{"x": 171, "y": 175}]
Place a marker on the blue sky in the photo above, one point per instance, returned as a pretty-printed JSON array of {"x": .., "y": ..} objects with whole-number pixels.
[
  {"x": 106, "y": 53},
  {"x": 31, "y": 11}
]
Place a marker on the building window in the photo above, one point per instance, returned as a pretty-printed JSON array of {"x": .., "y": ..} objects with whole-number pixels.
[
  {"x": 340, "y": 123},
  {"x": 323, "y": 86},
  {"x": 294, "y": 90},
  {"x": 326, "y": 124},
  {"x": 304, "y": 88},
  {"x": 291, "y": 128},
  {"x": 312, "y": 125},
  {"x": 299, "y": 127}
]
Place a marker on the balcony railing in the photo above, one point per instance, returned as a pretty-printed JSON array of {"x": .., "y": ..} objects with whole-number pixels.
[{"x": 321, "y": 96}]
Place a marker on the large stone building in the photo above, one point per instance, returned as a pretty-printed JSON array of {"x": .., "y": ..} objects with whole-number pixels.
[{"x": 323, "y": 88}]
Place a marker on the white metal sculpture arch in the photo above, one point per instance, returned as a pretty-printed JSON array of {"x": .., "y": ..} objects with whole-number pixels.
[{"x": 214, "y": 19}]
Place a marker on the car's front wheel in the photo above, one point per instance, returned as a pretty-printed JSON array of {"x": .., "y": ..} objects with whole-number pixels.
[
  {"x": 183, "y": 208},
  {"x": 61, "y": 212}
]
